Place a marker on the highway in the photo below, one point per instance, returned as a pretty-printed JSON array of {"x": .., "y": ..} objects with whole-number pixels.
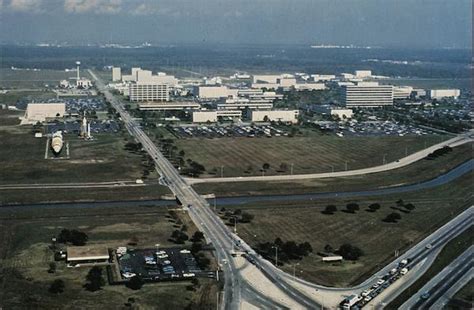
[
  {"x": 429, "y": 295},
  {"x": 297, "y": 292},
  {"x": 405, "y": 161},
  {"x": 206, "y": 220}
]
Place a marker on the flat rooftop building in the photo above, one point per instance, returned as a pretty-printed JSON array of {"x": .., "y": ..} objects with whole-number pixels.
[
  {"x": 39, "y": 112},
  {"x": 368, "y": 95},
  {"x": 286, "y": 116},
  {"x": 87, "y": 254},
  {"x": 148, "y": 92}
]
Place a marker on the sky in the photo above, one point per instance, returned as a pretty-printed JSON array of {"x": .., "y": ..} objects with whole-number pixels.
[{"x": 386, "y": 23}]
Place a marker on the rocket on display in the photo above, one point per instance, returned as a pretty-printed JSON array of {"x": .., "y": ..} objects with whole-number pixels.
[{"x": 57, "y": 142}]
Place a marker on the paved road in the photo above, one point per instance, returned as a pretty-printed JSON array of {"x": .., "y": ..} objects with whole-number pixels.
[
  {"x": 405, "y": 161},
  {"x": 459, "y": 269},
  {"x": 71, "y": 185},
  {"x": 225, "y": 241},
  {"x": 205, "y": 219}
]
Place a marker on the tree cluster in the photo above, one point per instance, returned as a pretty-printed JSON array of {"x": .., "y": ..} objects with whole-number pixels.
[
  {"x": 238, "y": 216},
  {"x": 179, "y": 236},
  {"x": 349, "y": 252},
  {"x": 94, "y": 279},
  {"x": 286, "y": 250},
  {"x": 439, "y": 152},
  {"x": 73, "y": 236}
]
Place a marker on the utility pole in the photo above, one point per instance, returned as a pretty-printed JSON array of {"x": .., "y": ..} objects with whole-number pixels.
[
  {"x": 291, "y": 169},
  {"x": 222, "y": 171},
  {"x": 406, "y": 151},
  {"x": 384, "y": 155},
  {"x": 346, "y": 165},
  {"x": 215, "y": 202}
]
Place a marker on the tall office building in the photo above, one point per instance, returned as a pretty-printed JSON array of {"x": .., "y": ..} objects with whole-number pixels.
[
  {"x": 116, "y": 74},
  {"x": 148, "y": 92},
  {"x": 368, "y": 95}
]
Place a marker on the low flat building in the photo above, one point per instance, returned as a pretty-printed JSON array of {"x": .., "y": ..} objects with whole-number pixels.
[
  {"x": 444, "y": 93},
  {"x": 285, "y": 116},
  {"x": 363, "y": 73},
  {"x": 342, "y": 113},
  {"x": 87, "y": 254},
  {"x": 168, "y": 106},
  {"x": 310, "y": 86},
  {"x": 212, "y": 116},
  {"x": 39, "y": 112},
  {"x": 214, "y": 92}
]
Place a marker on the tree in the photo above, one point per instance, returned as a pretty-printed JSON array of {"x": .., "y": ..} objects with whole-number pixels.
[
  {"x": 57, "y": 287},
  {"x": 246, "y": 217},
  {"x": 330, "y": 209},
  {"x": 350, "y": 252},
  {"x": 352, "y": 207},
  {"x": 135, "y": 283},
  {"x": 409, "y": 206},
  {"x": 392, "y": 217},
  {"x": 75, "y": 237},
  {"x": 266, "y": 166},
  {"x": 52, "y": 267},
  {"x": 196, "y": 247},
  {"x": 374, "y": 207},
  {"x": 197, "y": 236},
  {"x": 94, "y": 278},
  {"x": 328, "y": 248},
  {"x": 283, "y": 167}
]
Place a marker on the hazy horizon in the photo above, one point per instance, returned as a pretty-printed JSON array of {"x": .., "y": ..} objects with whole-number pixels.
[{"x": 395, "y": 23}]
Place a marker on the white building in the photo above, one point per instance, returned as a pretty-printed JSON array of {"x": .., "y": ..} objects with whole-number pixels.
[
  {"x": 444, "y": 93},
  {"x": 168, "y": 106},
  {"x": 214, "y": 92},
  {"x": 116, "y": 74},
  {"x": 342, "y": 113},
  {"x": 39, "y": 112},
  {"x": 363, "y": 73},
  {"x": 402, "y": 92},
  {"x": 310, "y": 86},
  {"x": 286, "y": 116},
  {"x": 268, "y": 78},
  {"x": 322, "y": 77},
  {"x": 368, "y": 95},
  {"x": 139, "y": 75},
  {"x": 205, "y": 116},
  {"x": 148, "y": 92},
  {"x": 84, "y": 83}
]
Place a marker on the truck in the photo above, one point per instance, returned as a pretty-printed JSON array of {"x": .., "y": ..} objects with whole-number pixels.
[
  {"x": 351, "y": 301},
  {"x": 404, "y": 271}
]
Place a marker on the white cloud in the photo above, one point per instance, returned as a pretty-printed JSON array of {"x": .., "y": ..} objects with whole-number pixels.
[
  {"x": 144, "y": 9},
  {"x": 27, "y": 6},
  {"x": 94, "y": 6}
]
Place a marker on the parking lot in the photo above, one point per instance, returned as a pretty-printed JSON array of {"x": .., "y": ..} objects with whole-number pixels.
[
  {"x": 250, "y": 131},
  {"x": 159, "y": 264},
  {"x": 373, "y": 128},
  {"x": 106, "y": 126},
  {"x": 73, "y": 105}
]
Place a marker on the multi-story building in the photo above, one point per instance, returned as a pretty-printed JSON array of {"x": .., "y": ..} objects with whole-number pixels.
[
  {"x": 214, "y": 92},
  {"x": 148, "y": 92},
  {"x": 116, "y": 74},
  {"x": 402, "y": 92},
  {"x": 367, "y": 95}
]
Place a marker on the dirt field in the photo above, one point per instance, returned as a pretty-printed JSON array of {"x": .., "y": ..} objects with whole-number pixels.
[
  {"x": 311, "y": 153},
  {"x": 25, "y": 258},
  {"x": 303, "y": 221}
]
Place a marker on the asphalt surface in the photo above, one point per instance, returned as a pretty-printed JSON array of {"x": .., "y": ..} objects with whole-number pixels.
[
  {"x": 432, "y": 291},
  {"x": 200, "y": 212}
]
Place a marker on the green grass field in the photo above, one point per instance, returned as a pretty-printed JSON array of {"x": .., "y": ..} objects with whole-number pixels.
[
  {"x": 103, "y": 159},
  {"x": 466, "y": 293},
  {"x": 302, "y": 221},
  {"x": 417, "y": 172},
  {"x": 35, "y": 79},
  {"x": 311, "y": 153},
  {"x": 25, "y": 258}
]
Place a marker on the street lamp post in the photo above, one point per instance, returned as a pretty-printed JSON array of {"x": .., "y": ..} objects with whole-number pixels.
[
  {"x": 222, "y": 171},
  {"x": 276, "y": 254},
  {"x": 291, "y": 169},
  {"x": 384, "y": 158}
]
